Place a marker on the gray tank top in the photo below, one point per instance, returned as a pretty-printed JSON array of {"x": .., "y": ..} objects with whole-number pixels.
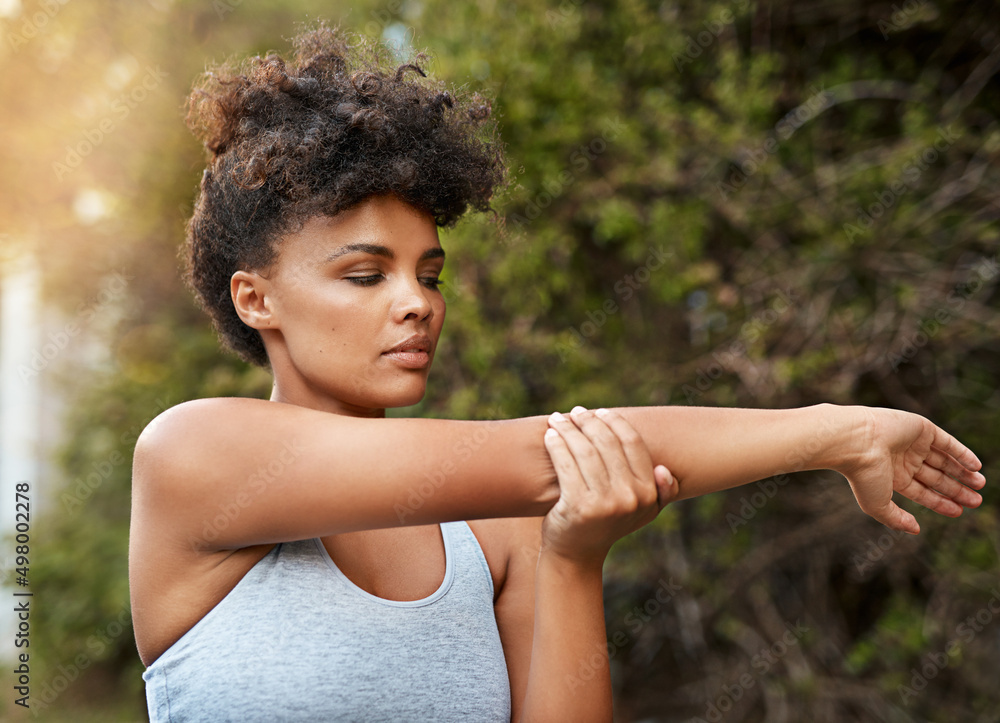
[{"x": 296, "y": 640}]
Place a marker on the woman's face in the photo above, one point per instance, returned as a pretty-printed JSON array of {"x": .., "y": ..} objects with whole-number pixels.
[{"x": 343, "y": 294}]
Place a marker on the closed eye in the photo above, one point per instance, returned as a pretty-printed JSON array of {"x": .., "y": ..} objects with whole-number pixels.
[
  {"x": 431, "y": 282},
  {"x": 365, "y": 280}
]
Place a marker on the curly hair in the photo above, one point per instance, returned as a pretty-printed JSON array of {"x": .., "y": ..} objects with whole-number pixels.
[{"x": 338, "y": 124}]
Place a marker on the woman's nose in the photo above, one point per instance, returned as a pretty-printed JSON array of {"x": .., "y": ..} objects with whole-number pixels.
[{"x": 413, "y": 301}]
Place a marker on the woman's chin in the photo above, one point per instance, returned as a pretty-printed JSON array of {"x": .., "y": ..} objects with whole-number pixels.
[
  {"x": 402, "y": 396},
  {"x": 408, "y": 400}
]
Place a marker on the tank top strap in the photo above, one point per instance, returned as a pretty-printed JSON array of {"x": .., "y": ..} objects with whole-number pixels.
[{"x": 470, "y": 563}]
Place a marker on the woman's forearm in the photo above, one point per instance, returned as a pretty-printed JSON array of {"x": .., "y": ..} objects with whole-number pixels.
[
  {"x": 569, "y": 677},
  {"x": 709, "y": 449}
]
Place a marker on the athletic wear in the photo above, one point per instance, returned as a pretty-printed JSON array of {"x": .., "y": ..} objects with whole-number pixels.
[{"x": 296, "y": 640}]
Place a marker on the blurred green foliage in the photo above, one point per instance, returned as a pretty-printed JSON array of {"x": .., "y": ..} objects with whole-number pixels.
[{"x": 736, "y": 204}]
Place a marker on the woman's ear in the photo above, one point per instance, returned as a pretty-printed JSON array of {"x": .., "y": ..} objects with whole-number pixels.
[{"x": 251, "y": 297}]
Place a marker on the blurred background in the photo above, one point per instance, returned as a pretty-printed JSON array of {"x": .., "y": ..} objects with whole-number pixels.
[{"x": 767, "y": 204}]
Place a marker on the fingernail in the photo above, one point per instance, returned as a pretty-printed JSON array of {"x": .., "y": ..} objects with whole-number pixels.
[
  {"x": 602, "y": 412},
  {"x": 556, "y": 417},
  {"x": 550, "y": 433},
  {"x": 577, "y": 409}
]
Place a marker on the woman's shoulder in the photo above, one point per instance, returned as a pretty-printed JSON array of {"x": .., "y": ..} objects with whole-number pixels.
[
  {"x": 179, "y": 437},
  {"x": 193, "y": 418},
  {"x": 198, "y": 410}
]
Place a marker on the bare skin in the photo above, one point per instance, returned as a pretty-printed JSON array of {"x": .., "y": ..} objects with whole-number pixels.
[
  {"x": 608, "y": 489},
  {"x": 218, "y": 482}
]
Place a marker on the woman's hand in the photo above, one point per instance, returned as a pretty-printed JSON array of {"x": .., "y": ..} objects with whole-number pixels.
[
  {"x": 894, "y": 450},
  {"x": 608, "y": 486}
]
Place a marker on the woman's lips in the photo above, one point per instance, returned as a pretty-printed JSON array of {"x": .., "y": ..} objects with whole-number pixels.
[{"x": 409, "y": 359}]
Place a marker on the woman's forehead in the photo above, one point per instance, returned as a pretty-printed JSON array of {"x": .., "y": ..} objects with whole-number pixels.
[{"x": 379, "y": 221}]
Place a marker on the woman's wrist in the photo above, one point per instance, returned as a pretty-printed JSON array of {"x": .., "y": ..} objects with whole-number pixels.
[
  {"x": 570, "y": 566},
  {"x": 838, "y": 438}
]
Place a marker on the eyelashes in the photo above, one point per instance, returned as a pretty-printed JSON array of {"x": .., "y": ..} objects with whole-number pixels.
[
  {"x": 430, "y": 282},
  {"x": 364, "y": 280}
]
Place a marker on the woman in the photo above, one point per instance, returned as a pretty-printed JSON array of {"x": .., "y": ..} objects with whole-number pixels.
[{"x": 306, "y": 558}]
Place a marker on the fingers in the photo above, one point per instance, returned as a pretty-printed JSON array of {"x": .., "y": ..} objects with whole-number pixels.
[
  {"x": 931, "y": 500},
  {"x": 893, "y": 516},
  {"x": 946, "y": 463},
  {"x": 628, "y": 440},
  {"x": 666, "y": 486},
  {"x": 571, "y": 481},
  {"x": 932, "y": 489},
  {"x": 627, "y": 464},
  {"x": 623, "y": 451},
  {"x": 930, "y": 474},
  {"x": 588, "y": 459},
  {"x": 637, "y": 454},
  {"x": 946, "y": 443}
]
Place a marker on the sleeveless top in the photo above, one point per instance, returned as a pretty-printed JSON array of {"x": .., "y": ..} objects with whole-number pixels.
[{"x": 296, "y": 640}]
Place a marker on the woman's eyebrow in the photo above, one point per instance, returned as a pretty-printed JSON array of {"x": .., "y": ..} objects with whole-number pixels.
[{"x": 435, "y": 252}]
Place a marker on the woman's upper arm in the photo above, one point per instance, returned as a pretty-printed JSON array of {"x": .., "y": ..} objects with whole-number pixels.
[{"x": 229, "y": 473}]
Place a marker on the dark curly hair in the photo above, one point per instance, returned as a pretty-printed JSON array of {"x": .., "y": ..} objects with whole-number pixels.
[{"x": 342, "y": 122}]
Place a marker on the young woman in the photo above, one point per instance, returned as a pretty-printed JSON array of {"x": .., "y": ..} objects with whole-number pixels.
[{"x": 306, "y": 558}]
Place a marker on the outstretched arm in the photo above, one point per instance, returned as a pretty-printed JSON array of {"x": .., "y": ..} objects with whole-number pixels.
[
  {"x": 878, "y": 450},
  {"x": 229, "y": 473}
]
